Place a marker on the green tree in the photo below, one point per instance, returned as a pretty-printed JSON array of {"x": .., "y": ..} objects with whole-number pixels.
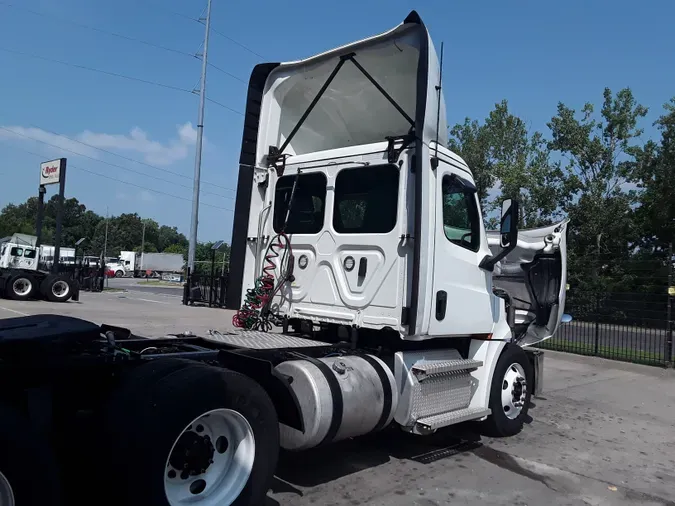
[
  {"x": 654, "y": 175},
  {"x": 600, "y": 154},
  {"x": 510, "y": 162}
]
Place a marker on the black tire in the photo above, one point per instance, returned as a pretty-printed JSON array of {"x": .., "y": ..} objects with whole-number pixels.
[
  {"x": 119, "y": 274},
  {"x": 48, "y": 288},
  {"x": 27, "y": 462},
  {"x": 498, "y": 424},
  {"x": 145, "y": 419},
  {"x": 23, "y": 282}
]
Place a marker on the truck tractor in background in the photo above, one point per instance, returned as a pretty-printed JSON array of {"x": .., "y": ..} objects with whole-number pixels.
[
  {"x": 24, "y": 271},
  {"x": 369, "y": 295}
]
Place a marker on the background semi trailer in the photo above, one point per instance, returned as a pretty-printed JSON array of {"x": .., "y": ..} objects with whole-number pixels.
[
  {"x": 23, "y": 275},
  {"x": 368, "y": 295},
  {"x": 157, "y": 263}
]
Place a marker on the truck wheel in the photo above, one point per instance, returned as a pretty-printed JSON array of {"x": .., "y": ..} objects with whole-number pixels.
[
  {"x": 24, "y": 457},
  {"x": 119, "y": 274},
  {"x": 198, "y": 435},
  {"x": 510, "y": 393},
  {"x": 56, "y": 288},
  {"x": 21, "y": 287}
]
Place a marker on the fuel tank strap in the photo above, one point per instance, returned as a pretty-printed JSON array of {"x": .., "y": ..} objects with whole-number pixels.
[
  {"x": 386, "y": 391},
  {"x": 336, "y": 394}
]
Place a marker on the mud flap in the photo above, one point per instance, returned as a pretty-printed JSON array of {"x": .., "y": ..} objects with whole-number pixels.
[
  {"x": 536, "y": 358},
  {"x": 75, "y": 287}
]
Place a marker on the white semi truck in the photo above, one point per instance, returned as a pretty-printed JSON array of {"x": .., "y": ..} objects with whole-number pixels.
[
  {"x": 359, "y": 236},
  {"x": 21, "y": 271}
]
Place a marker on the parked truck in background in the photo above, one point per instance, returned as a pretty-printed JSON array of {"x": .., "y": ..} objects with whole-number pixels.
[
  {"x": 356, "y": 234},
  {"x": 24, "y": 272},
  {"x": 138, "y": 264}
]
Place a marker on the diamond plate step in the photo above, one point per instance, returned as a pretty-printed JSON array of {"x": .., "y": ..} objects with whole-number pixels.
[
  {"x": 424, "y": 369},
  {"x": 451, "y": 417},
  {"x": 257, "y": 340}
]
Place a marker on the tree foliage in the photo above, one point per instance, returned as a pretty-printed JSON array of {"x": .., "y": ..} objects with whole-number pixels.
[
  {"x": 510, "y": 162},
  {"x": 125, "y": 232},
  {"x": 593, "y": 167}
]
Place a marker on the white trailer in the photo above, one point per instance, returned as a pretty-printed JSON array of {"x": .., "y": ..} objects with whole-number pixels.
[
  {"x": 157, "y": 263},
  {"x": 360, "y": 236}
]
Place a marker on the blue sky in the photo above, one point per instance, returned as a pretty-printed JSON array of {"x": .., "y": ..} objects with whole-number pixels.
[{"x": 533, "y": 54}]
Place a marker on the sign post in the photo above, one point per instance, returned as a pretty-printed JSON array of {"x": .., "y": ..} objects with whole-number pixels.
[
  {"x": 40, "y": 214},
  {"x": 52, "y": 172}
]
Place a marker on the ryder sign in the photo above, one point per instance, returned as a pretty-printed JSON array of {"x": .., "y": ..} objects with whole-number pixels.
[{"x": 50, "y": 172}]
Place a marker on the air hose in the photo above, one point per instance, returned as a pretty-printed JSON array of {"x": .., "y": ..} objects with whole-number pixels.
[{"x": 255, "y": 313}]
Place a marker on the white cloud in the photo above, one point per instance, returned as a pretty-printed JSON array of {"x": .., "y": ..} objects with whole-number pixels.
[
  {"x": 136, "y": 141},
  {"x": 44, "y": 140},
  {"x": 154, "y": 152}
]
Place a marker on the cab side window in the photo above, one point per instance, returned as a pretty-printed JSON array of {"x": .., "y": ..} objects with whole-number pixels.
[
  {"x": 308, "y": 206},
  {"x": 460, "y": 214}
]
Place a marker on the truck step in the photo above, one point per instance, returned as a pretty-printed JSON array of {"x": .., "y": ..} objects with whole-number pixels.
[
  {"x": 451, "y": 417},
  {"x": 426, "y": 368}
]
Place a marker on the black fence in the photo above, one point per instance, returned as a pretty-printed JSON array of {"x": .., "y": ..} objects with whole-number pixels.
[
  {"x": 631, "y": 327},
  {"x": 89, "y": 276},
  {"x": 205, "y": 289}
]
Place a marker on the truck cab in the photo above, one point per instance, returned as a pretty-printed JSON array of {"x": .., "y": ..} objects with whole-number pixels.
[
  {"x": 19, "y": 252},
  {"x": 355, "y": 224},
  {"x": 383, "y": 222}
]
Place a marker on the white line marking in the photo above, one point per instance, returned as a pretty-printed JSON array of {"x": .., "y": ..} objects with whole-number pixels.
[
  {"x": 14, "y": 311},
  {"x": 149, "y": 300}
]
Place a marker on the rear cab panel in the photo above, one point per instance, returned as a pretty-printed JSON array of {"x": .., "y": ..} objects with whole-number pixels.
[{"x": 352, "y": 121}]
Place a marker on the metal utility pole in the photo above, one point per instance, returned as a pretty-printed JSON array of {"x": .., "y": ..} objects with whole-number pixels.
[
  {"x": 105, "y": 241},
  {"x": 142, "y": 245},
  {"x": 105, "y": 245},
  {"x": 198, "y": 152}
]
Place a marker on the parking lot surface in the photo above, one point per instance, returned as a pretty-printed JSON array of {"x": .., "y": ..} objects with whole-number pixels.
[{"x": 602, "y": 433}]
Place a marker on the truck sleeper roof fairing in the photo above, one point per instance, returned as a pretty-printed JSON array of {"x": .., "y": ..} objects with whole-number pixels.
[{"x": 379, "y": 87}]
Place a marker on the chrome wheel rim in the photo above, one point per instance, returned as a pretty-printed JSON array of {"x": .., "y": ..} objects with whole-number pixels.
[
  {"x": 211, "y": 460},
  {"x": 60, "y": 289},
  {"x": 22, "y": 286},
  {"x": 514, "y": 391}
]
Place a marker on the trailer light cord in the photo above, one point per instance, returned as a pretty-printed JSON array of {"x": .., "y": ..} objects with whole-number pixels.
[{"x": 256, "y": 313}]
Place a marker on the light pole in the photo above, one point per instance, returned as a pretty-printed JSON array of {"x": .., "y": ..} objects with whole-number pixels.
[{"x": 198, "y": 152}]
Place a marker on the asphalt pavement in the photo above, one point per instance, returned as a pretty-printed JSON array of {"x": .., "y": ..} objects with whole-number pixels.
[
  {"x": 147, "y": 286},
  {"x": 602, "y": 433}
]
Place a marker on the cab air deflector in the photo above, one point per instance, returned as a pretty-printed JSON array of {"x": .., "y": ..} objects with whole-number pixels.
[{"x": 277, "y": 154}]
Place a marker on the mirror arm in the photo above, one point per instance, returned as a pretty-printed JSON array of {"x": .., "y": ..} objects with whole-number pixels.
[{"x": 488, "y": 263}]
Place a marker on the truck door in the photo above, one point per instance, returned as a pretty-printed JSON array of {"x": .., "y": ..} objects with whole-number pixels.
[
  {"x": 345, "y": 226},
  {"x": 462, "y": 299}
]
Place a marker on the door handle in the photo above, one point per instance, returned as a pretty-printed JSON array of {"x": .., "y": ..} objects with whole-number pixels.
[
  {"x": 363, "y": 267},
  {"x": 441, "y": 304}
]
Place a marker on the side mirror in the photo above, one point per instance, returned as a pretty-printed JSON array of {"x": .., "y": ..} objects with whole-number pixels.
[
  {"x": 508, "y": 229},
  {"x": 508, "y": 234}
]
